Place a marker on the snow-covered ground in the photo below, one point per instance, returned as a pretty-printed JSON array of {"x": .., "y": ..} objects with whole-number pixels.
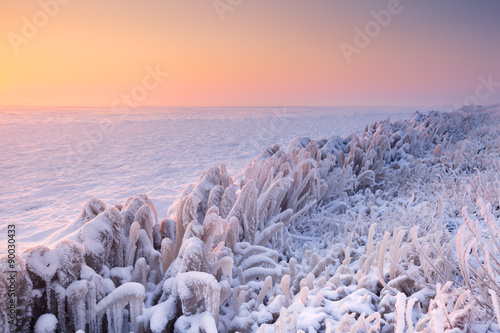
[
  {"x": 393, "y": 228},
  {"x": 52, "y": 161}
]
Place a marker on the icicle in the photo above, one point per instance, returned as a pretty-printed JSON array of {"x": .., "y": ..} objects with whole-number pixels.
[
  {"x": 167, "y": 253},
  {"x": 285, "y": 288},
  {"x": 132, "y": 243},
  {"x": 140, "y": 273},
  {"x": 60, "y": 294},
  {"x": 76, "y": 295},
  {"x": 303, "y": 295},
  {"x": 268, "y": 284},
  {"x": 399, "y": 321},
  {"x": 114, "y": 304}
]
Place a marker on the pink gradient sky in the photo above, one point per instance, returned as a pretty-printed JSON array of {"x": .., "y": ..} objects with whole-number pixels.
[{"x": 264, "y": 53}]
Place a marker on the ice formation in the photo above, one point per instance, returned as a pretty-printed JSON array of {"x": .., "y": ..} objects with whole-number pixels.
[{"x": 393, "y": 229}]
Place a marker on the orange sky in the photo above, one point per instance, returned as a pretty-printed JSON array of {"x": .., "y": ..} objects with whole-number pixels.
[{"x": 281, "y": 52}]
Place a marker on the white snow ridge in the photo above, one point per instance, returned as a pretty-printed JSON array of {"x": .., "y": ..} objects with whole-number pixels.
[{"x": 393, "y": 229}]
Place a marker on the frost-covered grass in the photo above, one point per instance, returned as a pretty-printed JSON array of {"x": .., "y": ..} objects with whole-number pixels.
[
  {"x": 392, "y": 229},
  {"x": 52, "y": 161}
]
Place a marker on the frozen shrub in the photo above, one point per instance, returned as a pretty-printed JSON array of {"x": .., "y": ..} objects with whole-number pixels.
[
  {"x": 366, "y": 233},
  {"x": 21, "y": 283},
  {"x": 146, "y": 219},
  {"x": 193, "y": 287},
  {"x": 113, "y": 305},
  {"x": 101, "y": 238},
  {"x": 71, "y": 259}
]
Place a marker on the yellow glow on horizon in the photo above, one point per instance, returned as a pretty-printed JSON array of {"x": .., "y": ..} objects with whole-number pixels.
[{"x": 279, "y": 53}]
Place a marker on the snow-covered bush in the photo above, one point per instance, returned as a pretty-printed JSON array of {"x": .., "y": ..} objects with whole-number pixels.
[{"x": 394, "y": 228}]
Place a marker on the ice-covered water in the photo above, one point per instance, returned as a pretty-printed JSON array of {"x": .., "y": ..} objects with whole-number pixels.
[{"x": 53, "y": 160}]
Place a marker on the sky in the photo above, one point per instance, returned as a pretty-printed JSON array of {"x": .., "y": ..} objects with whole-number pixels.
[{"x": 85, "y": 53}]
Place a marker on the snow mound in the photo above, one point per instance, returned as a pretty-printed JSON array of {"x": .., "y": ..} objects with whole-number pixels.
[{"x": 46, "y": 323}]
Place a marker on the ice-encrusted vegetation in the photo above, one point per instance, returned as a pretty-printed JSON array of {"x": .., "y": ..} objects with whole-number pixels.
[{"x": 395, "y": 228}]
